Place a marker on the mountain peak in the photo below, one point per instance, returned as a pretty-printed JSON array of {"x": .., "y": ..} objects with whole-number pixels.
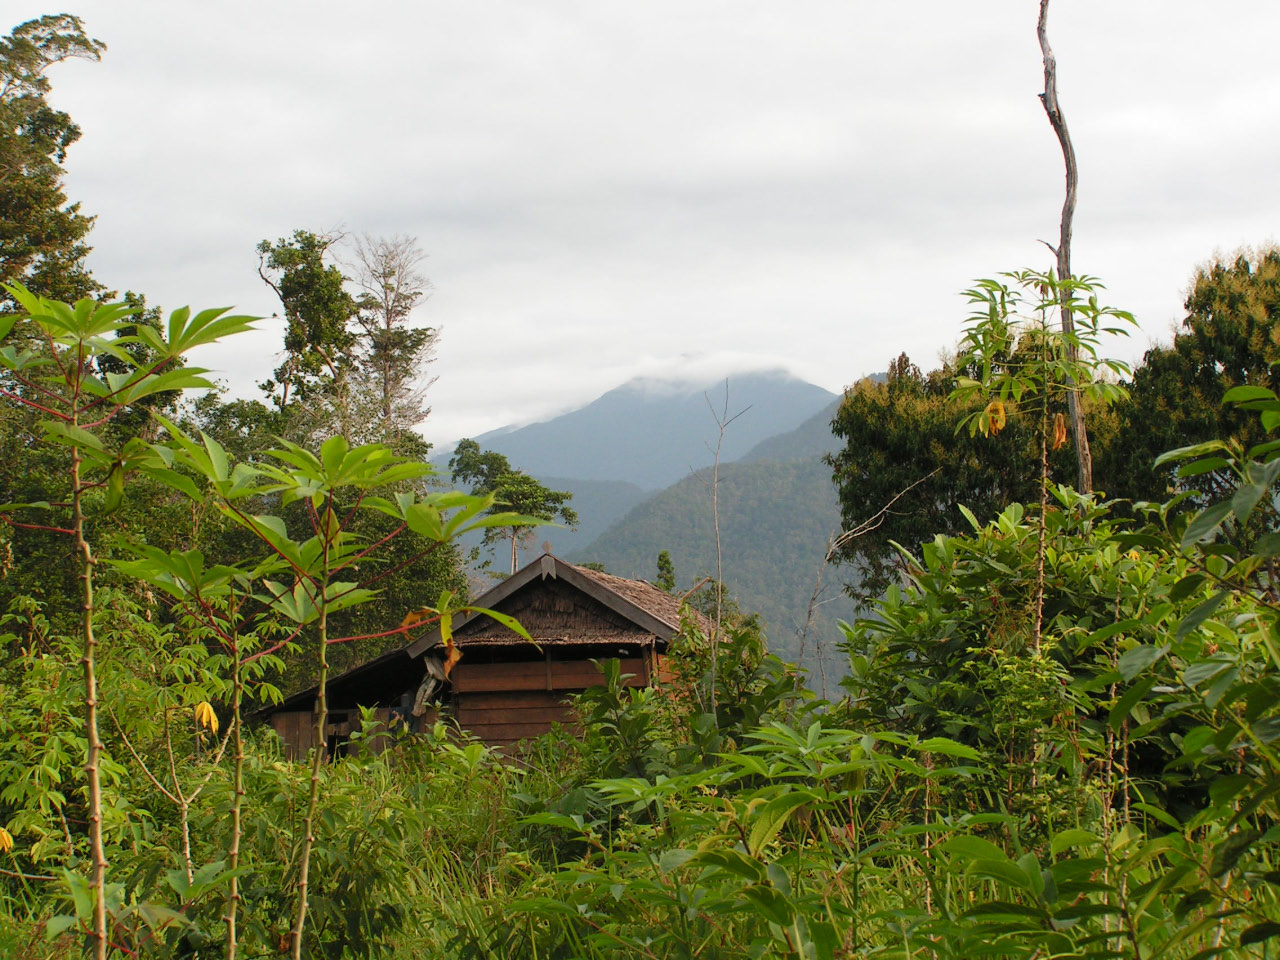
[{"x": 652, "y": 431}]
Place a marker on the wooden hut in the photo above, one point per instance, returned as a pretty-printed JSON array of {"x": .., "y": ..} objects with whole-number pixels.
[{"x": 504, "y": 689}]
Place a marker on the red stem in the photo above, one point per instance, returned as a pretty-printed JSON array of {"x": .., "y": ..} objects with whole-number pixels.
[
  {"x": 386, "y": 633},
  {"x": 38, "y": 526},
  {"x": 31, "y": 403}
]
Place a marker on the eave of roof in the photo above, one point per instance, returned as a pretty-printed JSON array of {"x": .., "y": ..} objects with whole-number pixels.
[{"x": 590, "y": 582}]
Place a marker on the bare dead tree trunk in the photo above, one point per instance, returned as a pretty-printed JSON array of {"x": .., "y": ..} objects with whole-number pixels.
[{"x": 1049, "y": 99}]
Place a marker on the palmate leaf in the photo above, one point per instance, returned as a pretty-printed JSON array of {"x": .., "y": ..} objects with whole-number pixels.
[
  {"x": 296, "y": 603},
  {"x": 64, "y": 433},
  {"x": 207, "y": 326}
]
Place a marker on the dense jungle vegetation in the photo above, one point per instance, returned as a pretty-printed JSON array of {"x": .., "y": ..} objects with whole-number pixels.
[{"x": 1058, "y": 733}]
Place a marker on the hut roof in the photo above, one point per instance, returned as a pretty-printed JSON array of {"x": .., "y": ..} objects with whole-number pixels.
[
  {"x": 636, "y": 612},
  {"x": 643, "y": 610}
]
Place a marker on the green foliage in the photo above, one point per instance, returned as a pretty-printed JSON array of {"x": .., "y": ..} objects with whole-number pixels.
[
  {"x": 904, "y": 467},
  {"x": 666, "y": 579},
  {"x": 512, "y": 490},
  {"x": 393, "y": 353},
  {"x": 1013, "y": 357},
  {"x": 42, "y": 241},
  {"x": 317, "y": 309},
  {"x": 1229, "y": 337}
]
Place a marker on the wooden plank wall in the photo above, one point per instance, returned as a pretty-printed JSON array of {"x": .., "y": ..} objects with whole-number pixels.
[
  {"x": 574, "y": 675},
  {"x": 502, "y": 703},
  {"x": 499, "y": 702},
  {"x": 297, "y": 729}
]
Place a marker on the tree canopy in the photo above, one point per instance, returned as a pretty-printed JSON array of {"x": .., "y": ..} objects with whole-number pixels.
[
  {"x": 515, "y": 491},
  {"x": 42, "y": 236}
]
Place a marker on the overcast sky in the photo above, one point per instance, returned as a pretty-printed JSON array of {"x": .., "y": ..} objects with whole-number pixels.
[{"x": 610, "y": 189}]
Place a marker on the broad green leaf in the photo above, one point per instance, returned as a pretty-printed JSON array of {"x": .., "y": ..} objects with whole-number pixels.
[
  {"x": 674, "y": 859},
  {"x": 969, "y": 848},
  {"x": 424, "y": 521},
  {"x": 1260, "y": 932},
  {"x": 1124, "y": 706},
  {"x": 115, "y": 489},
  {"x": 1245, "y": 392},
  {"x": 65, "y": 433},
  {"x": 1245, "y": 499},
  {"x": 1070, "y": 839},
  {"x": 771, "y": 904},
  {"x": 1133, "y": 661},
  {"x": 1206, "y": 523},
  {"x": 1195, "y": 450},
  {"x": 1200, "y": 614},
  {"x": 511, "y": 623},
  {"x": 1187, "y": 586},
  {"x": 773, "y": 817},
  {"x": 948, "y": 748}
]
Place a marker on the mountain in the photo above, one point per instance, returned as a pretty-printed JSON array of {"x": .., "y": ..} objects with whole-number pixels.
[
  {"x": 598, "y": 504},
  {"x": 777, "y": 510},
  {"x": 652, "y": 433},
  {"x": 811, "y": 439}
]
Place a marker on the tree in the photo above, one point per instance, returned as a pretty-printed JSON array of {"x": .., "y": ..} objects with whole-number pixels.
[
  {"x": 666, "y": 573},
  {"x": 1021, "y": 361},
  {"x": 1229, "y": 337},
  {"x": 514, "y": 491},
  {"x": 317, "y": 310},
  {"x": 41, "y": 235},
  {"x": 904, "y": 468},
  {"x": 393, "y": 354}
]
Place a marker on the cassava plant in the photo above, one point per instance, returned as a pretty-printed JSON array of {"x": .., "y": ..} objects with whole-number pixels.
[
  {"x": 71, "y": 366},
  {"x": 326, "y": 569}
]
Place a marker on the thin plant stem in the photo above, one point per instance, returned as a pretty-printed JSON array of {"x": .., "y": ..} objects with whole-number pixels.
[
  {"x": 321, "y": 747},
  {"x": 237, "y": 781},
  {"x": 92, "y": 768}
]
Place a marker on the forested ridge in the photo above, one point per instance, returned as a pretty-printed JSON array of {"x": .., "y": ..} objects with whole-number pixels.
[{"x": 1056, "y": 736}]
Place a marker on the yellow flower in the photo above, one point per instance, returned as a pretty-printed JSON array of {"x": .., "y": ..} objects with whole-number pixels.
[
  {"x": 205, "y": 717},
  {"x": 6, "y": 840},
  {"x": 1134, "y": 555}
]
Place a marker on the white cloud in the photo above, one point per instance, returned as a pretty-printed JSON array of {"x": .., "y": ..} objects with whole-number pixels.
[{"x": 605, "y": 188}]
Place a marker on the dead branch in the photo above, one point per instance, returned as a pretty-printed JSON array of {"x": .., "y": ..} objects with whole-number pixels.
[{"x": 1049, "y": 99}]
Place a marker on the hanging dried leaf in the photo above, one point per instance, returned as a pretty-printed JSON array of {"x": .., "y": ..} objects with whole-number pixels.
[
  {"x": 415, "y": 617},
  {"x": 995, "y": 417},
  {"x": 1059, "y": 431},
  {"x": 452, "y": 656}
]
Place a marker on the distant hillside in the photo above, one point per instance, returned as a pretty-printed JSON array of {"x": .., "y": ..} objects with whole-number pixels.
[
  {"x": 811, "y": 439},
  {"x": 652, "y": 433},
  {"x": 599, "y": 503},
  {"x": 775, "y": 519}
]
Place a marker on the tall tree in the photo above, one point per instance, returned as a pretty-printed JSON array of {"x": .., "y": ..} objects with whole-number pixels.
[
  {"x": 317, "y": 310},
  {"x": 42, "y": 236},
  {"x": 904, "y": 468},
  {"x": 1062, "y": 252},
  {"x": 393, "y": 354},
  {"x": 514, "y": 491},
  {"x": 1230, "y": 336}
]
